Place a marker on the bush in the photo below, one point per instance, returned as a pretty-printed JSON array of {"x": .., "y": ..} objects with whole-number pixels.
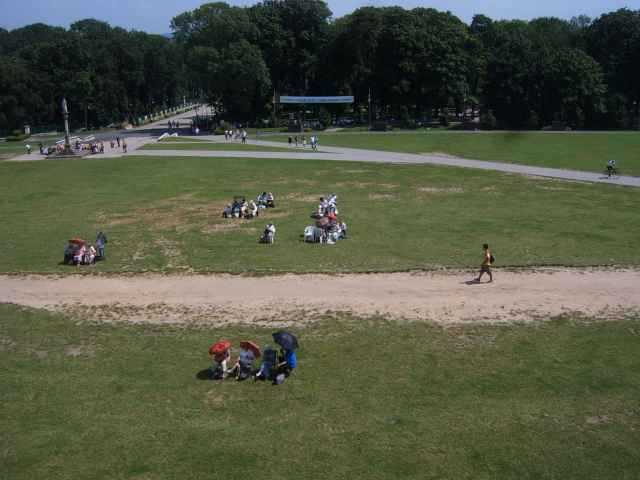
[
  {"x": 488, "y": 121},
  {"x": 17, "y": 138},
  {"x": 381, "y": 126},
  {"x": 325, "y": 117}
]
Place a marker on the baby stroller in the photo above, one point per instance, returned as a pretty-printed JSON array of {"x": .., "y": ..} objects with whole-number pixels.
[
  {"x": 269, "y": 234},
  {"x": 71, "y": 250}
]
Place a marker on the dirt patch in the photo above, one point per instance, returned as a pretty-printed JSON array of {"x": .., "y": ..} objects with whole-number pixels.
[
  {"x": 441, "y": 190},
  {"x": 305, "y": 181},
  {"x": 598, "y": 420},
  {"x": 552, "y": 189},
  {"x": 230, "y": 224},
  {"x": 443, "y": 298},
  {"x": 381, "y": 196},
  {"x": 76, "y": 351},
  {"x": 172, "y": 251},
  {"x": 301, "y": 197},
  {"x": 41, "y": 354},
  {"x": 6, "y": 343},
  {"x": 180, "y": 214}
]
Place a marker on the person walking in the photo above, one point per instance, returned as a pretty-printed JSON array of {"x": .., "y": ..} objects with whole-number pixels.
[
  {"x": 290, "y": 140},
  {"x": 118, "y": 141},
  {"x": 28, "y": 147},
  {"x": 244, "y": 136},
  {"x": 487, "y": 261},
  {"x": 124, "y": 145}
]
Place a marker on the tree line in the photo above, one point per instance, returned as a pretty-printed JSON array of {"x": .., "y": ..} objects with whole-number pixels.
[
  {"x": 107, "y": 74},
  {"x": 411, "y": 64}
]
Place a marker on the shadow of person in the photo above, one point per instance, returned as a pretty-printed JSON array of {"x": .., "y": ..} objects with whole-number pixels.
[
  {"x": 204, "y": 374},
  {"x": 475, "y": 281}
]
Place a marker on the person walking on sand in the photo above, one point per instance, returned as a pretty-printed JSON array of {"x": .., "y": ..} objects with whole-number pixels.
[{"x": 486, "y": 264}]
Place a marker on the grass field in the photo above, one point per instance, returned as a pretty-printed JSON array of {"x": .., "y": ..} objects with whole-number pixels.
[
  {"x": 576, "y": 151},
  {"x": 227, "y": 147},
  {"x": 554, "y": 400},
  {"x": 165, "y": 214},
  {"x": 11, "y": 149}
]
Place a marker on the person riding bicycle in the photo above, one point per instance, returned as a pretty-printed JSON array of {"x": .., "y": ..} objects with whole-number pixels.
[{"x": 611, "y": 167}]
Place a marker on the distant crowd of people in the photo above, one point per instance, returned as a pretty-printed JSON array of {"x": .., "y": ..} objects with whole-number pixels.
[
  {"x": 313, "y": 141},
  {"x": 236, "y": 135},
  {"x": 93, "y": 146}
]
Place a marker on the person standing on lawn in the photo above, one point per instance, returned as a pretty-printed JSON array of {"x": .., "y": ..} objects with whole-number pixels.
[
  {"x": 486, "y": 264},
  {"x": 101, "y": 240}
]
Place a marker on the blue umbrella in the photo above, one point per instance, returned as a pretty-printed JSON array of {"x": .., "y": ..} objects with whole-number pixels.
[{"x": 286, "y": 340}]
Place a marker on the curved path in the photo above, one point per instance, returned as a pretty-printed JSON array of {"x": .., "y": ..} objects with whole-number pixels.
[
  {"x": 376, "y": 156},
  {"x": 139, "y": 138},
  {"x": 445, "y": 298}
]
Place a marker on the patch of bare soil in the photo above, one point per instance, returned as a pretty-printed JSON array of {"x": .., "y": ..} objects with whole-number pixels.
[
  {"x": 301, "y": 197},
  {"x": 441, "y": 190},
  {"x": 381, "y": 196},
  {"x": 366, "y": 185},
  {"x": 444, "y": 298},
  {"x": 180, "y": 213}
]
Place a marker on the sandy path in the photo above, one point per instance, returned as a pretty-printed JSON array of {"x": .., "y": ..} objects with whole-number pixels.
[{"x": 217, "y": 299}]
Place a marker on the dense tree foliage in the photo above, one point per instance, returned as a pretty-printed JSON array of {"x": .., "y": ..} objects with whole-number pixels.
[
  {"x": 107, "y": 74},
  {"x": 419, "y": 63}
]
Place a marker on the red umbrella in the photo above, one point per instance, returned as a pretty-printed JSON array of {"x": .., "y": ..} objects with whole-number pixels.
[
  {"x": 219, "y": 347},
  {"x": 247, "y": 345}
]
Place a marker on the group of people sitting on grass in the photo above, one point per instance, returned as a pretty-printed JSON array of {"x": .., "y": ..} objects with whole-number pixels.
[
  {"x": 328, "y": 228},
  {"x": 79, "y": 252},
  {"x": 241, "y": 208},
  {"x": 274, "y": 367}
]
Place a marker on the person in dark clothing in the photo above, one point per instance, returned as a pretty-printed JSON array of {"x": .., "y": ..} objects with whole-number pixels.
[{"x": 101, "y": 240}]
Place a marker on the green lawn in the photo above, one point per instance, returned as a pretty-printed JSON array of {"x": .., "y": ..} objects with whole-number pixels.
[
  {"x": 550, "y": 401},
  {"x": 165, "y": 214},
  {"x": 12, "y": 149},
  {"x": 227, "y": 147},
  {"x": 577, "y": 151}
]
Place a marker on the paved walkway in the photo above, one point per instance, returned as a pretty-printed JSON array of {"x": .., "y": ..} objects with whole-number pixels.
[
  {"x": 138, "y": 138},
  {"x": 376, "y": 156}
]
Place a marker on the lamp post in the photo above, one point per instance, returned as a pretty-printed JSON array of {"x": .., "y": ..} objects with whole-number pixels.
[{"x": 369, "y": 100}]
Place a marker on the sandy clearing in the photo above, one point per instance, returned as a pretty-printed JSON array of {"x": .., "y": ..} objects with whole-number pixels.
[{"x": 444, "y": 298}]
